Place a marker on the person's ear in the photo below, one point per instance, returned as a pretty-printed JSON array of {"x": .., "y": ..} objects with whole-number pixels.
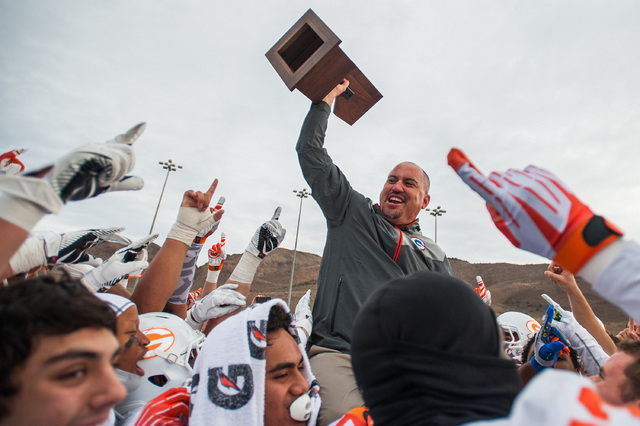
[{"x": 425, "y": 201}]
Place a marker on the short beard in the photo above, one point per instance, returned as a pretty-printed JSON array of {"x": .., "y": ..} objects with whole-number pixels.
[{"x": 391, "y": 215}]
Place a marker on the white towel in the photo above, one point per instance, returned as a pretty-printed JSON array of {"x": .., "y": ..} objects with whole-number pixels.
[{"x": 229, "y": 374}]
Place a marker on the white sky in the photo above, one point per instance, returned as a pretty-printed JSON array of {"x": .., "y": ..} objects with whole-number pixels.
[{"x": 551, "y": 83}]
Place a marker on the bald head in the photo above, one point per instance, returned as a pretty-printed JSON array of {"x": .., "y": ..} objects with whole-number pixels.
[{"x": 426, "y": 182}]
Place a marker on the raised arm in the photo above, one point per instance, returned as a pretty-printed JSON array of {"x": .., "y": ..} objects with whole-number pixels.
[
  {"x": 329, "y": 187},
  {"x": 84, "y": 173},
  {"x": 538, "y": 213},
  {"x": 160, "y": 279},
  {"x": 580, "y": 306}
]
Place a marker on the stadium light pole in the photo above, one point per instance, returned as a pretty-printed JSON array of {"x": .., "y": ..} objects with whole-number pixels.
[
  {"x": 302, "y": 194},
  {"x": 169, "y": 166},
  {"x": 435, "y": 213}
]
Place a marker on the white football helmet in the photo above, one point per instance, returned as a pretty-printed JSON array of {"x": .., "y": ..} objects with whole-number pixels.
[
  {"x": 169, "y": 363},
  {"x": 518, "y": 328}
]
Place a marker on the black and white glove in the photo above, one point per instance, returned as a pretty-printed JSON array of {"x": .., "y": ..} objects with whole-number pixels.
[
  {"x": 130, "y": 260},
  {"x": 50, "y": 248},
  {"x": 97, "y": 168},
  {"x": 70, "y": 247},
  {"x": 83, "y": 173},
  {"x": 267, "y": 237}
]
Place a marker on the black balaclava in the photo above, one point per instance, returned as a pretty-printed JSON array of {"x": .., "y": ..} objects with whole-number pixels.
[{"x": 426, "y": 351}]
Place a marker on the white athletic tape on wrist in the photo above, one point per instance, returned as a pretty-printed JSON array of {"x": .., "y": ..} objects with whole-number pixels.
[
  {"x": 189, "y": 222},
  {"x": 246, "y": 269},
  {"x": 29, "y": 255},
  {"x": 212, "y": 276}
]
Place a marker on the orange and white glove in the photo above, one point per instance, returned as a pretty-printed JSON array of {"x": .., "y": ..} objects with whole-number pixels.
[
  {"x": 201, "y": 237},
  {"x": 217, "y": 256},
  {"x": 482, "y": 291},
  {"x": 193, "y": 297},
  {"x": 170, "y": 408},
  {"x": 9, "y": 163},
  {"x": 538, "y": 213}
]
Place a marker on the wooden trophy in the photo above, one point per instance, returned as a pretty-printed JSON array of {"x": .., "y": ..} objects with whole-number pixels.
[{"x": 308, "y": 58}]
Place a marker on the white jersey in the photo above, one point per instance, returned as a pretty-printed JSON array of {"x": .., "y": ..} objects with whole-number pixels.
[
  {"x": 615, "y": 275},
  {"x": 557, "y": 397}
]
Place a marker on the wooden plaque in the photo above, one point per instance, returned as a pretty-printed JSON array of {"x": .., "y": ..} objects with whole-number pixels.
[{"x": 309, "y": 59}]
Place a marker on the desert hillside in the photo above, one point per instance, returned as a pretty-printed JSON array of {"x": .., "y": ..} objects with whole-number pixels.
[{"x": 513, "y": 287}]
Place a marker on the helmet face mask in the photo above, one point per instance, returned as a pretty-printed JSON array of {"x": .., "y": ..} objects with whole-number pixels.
[
  {"x": 517, "y": 329},
  {"x": 169, "y": 362}
]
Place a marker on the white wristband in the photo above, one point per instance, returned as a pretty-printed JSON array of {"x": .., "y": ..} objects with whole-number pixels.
[
  {"x": 212, "y": 276},
  {"x": 246, "y": 269}
]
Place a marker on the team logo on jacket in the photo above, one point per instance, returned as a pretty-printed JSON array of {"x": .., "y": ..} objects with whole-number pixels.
[
  {"x": 419, "y": 243},
  {"x": 257, "y": 337},
  {"x": 232, "y": 390}
]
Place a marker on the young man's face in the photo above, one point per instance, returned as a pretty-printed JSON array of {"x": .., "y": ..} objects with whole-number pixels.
[
  {"x": 403, "y": 194},
  {"x": 133, "y": 343},
  {"x": 611, "y": 382},
  {"x": 284, "y": 381},
  {"x": 68, "y": 380}
]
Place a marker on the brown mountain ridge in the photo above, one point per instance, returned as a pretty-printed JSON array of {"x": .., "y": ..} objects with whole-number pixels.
[{"x": 513, "y": 287}]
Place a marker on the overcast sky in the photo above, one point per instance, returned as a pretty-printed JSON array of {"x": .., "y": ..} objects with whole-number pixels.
[{"x": 550, "y": 83}]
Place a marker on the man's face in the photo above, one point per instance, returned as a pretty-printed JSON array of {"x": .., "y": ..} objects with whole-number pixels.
[
  {"x": 68, "y": 380},
  {"x": 133, "y": 343},
  {"x": 403, "y": 194},
  {"x": 284, "y": 381},
  {"x": 611, "y": 382}
]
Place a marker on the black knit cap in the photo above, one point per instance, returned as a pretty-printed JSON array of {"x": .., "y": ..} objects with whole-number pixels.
[{"x": 426, "y": 351}]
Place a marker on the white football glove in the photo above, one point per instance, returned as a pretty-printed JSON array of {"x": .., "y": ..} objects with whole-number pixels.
[
  {"x": 83, "y": 173},
  {"x": 201, "y": 236},
  {"x": 221, "y": 301},
  {"x": 50, "y": 248},
  {"x": 267, "y": 237},
  {"x": 303, "y": 320},
  {"x": 97, "y": 168},
  {"x": 130, "y": 260}
]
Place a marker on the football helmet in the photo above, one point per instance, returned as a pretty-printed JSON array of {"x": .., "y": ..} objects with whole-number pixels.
[
  {"x": 518, "y": 328},
  {"x": 169, "y": 363}
]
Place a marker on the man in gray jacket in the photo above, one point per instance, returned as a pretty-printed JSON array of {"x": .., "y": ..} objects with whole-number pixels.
[{"x": 367, "y": 245}]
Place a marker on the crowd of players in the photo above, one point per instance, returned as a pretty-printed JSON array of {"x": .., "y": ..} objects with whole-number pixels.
[{"x": 79, "y": 349}]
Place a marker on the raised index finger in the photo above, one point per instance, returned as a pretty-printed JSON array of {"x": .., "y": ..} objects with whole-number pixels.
[
  {"x": 213, "y": 187},
  {"x": 276, "y": 214}
]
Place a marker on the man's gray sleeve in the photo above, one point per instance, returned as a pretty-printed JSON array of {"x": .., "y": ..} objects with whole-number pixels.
[{"x": 329, "y": 187}]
